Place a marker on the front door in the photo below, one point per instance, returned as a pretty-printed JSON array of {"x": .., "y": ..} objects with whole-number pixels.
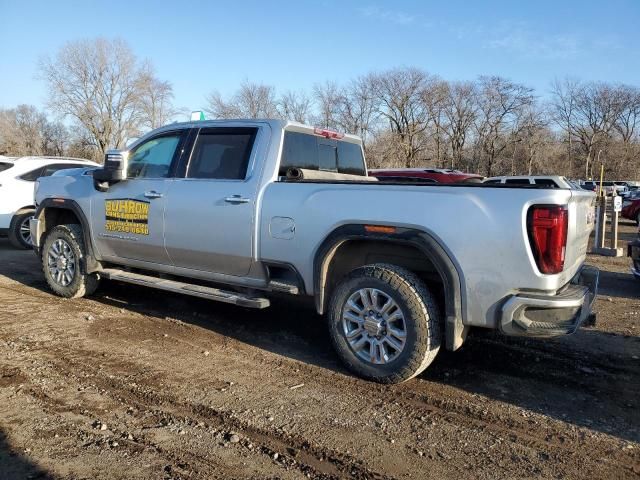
[
  {"x": 210, "y": 213},
  {"x": 128, "y": 219}
]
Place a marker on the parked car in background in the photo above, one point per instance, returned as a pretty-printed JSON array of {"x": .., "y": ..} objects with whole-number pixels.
[
  {"x": 425, "y": 175},
  {"x": 631, "y": 209},
  {"x": 608, "y": 187},
  {"x": 17, "y": 177},
  {"x": 546, "y": 181},
  {"x": 624, "y": 188}
]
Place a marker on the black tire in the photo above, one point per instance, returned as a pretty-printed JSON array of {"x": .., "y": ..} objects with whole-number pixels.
[
  {"x": 638, "y": 219},
  {"x": 81, "y": 284},
  {"x": 421, "y": 322},
  {"x": 18, "y": 222}
]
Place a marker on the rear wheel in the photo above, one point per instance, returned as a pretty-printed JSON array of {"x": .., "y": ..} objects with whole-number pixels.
[
  {"x": 62, "y": 254},
  {"x": 384, "y": 323},
  {"x": 19, "y": 232}
]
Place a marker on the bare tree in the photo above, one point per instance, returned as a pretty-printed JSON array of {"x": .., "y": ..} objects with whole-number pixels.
[
  {"x": 156, "y": 100},
  {"x": 327, "y": 97},
  {"x": 434, "y": 97},
  {"x": 356, "y": 108},
  {"x": 252, "y": 100},
  {"x": 627, "y": 120},
  {"x": 25, "y": 130},
  {"x": 597, "y": 107},
  {"x": 55, "y": 138},
  {"x": 100, "y": 85},
  {"x": 563, "y": 105},
  {"x": 294, "y": 106},
  {"x": 533, "y": 134},
  {"x": 399, "y": 93},
  {"x": 499, "y": 102},
  {"x": 460, "y": 112}
]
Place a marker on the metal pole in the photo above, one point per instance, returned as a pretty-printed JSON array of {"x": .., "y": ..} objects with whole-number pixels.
[
  {"x": 602, "y": 223},
  {"x": 601, "y": 173},
  {"x": 614, "y": 230}
]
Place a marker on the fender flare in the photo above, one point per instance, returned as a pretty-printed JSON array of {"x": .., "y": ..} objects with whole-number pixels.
[
  {"x": 90, "y": 263},
  {"x": 455, "y": 328}
]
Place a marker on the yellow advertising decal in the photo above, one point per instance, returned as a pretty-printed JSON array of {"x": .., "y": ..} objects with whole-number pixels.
[{"x": 124, "y": 215}]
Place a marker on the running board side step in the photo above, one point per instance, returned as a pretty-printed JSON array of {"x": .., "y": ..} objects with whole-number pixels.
[
  {"x": 281, "y": 286},
  {"x": 210, "y": 293}
]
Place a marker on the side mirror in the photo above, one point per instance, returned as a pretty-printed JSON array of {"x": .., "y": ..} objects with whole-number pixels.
[{"x": 113, "y": 171}]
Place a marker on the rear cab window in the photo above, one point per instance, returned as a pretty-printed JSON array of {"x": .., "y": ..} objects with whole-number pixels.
[
  {"x": 546, "y": 182},
  {"x": 315, "y": 152},
  {"x": 517, "y": 181}
]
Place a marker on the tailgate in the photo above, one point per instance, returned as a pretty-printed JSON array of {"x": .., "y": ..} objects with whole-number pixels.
[{"x": 581, "y": 223}]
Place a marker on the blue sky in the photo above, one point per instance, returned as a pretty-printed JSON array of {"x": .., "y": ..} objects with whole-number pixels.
[{"x": 200, "y": 46}]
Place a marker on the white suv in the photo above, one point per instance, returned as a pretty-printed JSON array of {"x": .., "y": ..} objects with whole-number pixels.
[
  {"x": 545, "y": 181},
  {"x": 17, "y": 177}
]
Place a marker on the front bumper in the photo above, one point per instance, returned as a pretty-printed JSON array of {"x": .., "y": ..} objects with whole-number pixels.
[{"x": 531, "y": 315}]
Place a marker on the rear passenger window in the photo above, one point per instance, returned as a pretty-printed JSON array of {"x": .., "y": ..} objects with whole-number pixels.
[
  {"x": 32, "y": 176},
  {"x": 302, "y": 150},
  {"x": 53, "y": 168},
  {"x": 222, "y": 153}
]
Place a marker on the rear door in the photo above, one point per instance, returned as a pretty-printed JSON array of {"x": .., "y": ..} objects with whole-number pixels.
[
  {"x": 128, "y": 219},
  {"x": 210, "y": 211}
]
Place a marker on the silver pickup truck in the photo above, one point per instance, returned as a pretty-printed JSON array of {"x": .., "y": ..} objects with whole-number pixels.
[{"x": 237, "y": 210}]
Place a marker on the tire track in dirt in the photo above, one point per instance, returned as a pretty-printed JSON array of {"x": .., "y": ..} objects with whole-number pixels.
[{"x": 318, "y": 462}]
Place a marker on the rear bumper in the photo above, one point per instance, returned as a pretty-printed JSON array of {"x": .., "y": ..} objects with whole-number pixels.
[{"x": 531, "y": 315}]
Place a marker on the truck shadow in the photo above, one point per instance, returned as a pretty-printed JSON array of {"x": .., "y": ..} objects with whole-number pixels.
[
  {"x": 617, "y": 284},
  {"x": 590, "y": 379},
  {"x": 14, "y": 465}
]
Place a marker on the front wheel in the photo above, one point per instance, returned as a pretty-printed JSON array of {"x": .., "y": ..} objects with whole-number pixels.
[
  {"x": 62, "y": 254},
  {"x": 384, "y": 323},
  {"x": 19, "y": 232}
]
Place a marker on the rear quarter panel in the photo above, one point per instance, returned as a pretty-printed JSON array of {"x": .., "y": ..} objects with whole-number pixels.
[{"x": 482, "y": 229}]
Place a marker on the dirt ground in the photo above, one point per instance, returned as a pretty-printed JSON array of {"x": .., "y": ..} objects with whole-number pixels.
[{"x": 135, "y": 383}]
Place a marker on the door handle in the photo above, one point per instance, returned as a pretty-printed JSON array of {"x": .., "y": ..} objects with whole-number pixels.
[
  {"x": 236, "y": 199},
  {"x": 152, "y": 194}
]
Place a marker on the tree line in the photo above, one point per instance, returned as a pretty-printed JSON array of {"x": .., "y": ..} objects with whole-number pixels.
[{"x": 406, "y": 117}]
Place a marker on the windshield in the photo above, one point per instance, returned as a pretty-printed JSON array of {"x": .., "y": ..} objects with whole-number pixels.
[{"x": 5, "y": 166}]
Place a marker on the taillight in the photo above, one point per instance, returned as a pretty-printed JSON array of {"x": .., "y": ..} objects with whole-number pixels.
[{"x": 547, "y": 226}]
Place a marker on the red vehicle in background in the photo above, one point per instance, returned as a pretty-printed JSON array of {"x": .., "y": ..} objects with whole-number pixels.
[
  {"x": 435, "y": 175},
  {"x": 631, "y": 210}
]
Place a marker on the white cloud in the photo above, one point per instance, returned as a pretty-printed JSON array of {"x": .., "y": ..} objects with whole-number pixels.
[
  {"x": 519, "y": 38},
  {"x": 393, "y": 16}
]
